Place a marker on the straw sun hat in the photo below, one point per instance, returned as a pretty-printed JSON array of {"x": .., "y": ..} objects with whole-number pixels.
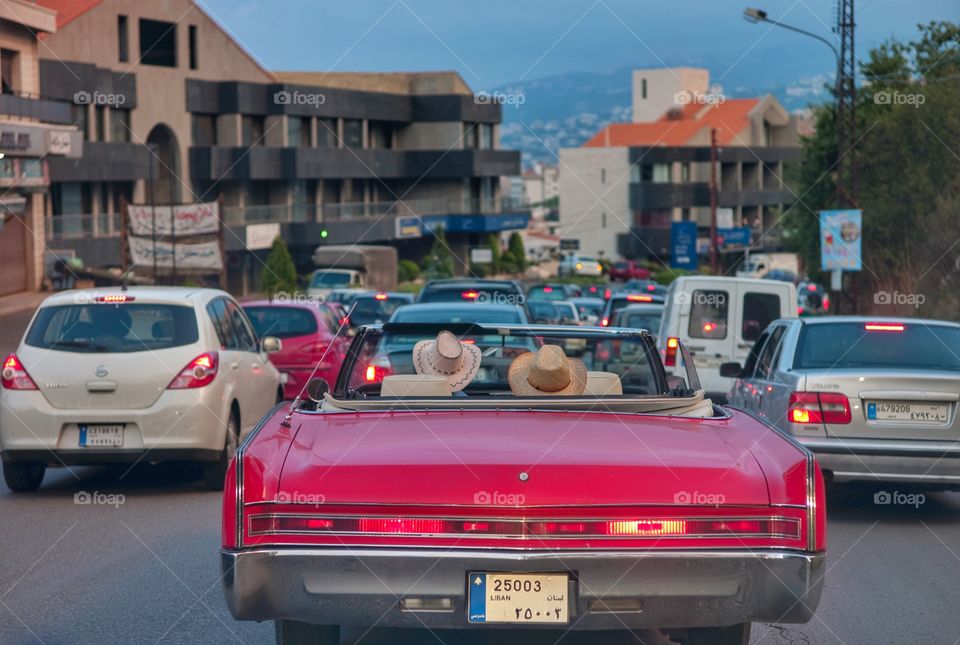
[
  {"x": 446, "y": 356},
  {"x": 548, "y": 372}
]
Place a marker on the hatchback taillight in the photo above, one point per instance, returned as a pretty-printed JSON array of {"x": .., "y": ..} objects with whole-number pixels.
[
  {"x": 199, "y": 372},
  {"x": 14, "y": 376},
  {"x": 819, "y": 407}
]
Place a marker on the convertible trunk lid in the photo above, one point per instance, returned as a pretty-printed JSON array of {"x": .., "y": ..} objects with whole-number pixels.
[{"x": 521, "y": 458}]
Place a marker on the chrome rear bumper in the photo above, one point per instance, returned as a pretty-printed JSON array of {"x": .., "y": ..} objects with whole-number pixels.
[
  {"x": 887, "y": 460},
  {"x": 610, "y": 590}
]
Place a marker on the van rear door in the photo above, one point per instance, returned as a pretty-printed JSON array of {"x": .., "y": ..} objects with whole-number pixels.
[
  {"x": 705, "y": 328},
  {"x": 759, "y": 303}
]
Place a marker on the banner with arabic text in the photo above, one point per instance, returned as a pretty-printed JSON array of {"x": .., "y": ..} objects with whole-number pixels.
[
  {"x": 204, "y": 256},
  {"x": 182, "y": 221}
]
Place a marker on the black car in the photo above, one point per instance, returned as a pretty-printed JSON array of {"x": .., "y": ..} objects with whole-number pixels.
[
  {"x": 620, "y": 300},
  {"x": 494, "y": 292},
  {"x": 376, "y": 306}
]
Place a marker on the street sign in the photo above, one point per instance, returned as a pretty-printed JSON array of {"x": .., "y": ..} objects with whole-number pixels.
[
  {"x": 683, "y": 245},
  {"x": 841, "y": 237},
  {"x": 724, "y": 218},
  {"x": 569, "y": 245},
  {"x": 482, "y": 255},
  {"x": 736, "y": 236}
]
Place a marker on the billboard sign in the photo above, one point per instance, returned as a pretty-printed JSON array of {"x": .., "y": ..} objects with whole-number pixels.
[
  {"x": 683, "y": 245},
  {"x": 841, "y": 237}
]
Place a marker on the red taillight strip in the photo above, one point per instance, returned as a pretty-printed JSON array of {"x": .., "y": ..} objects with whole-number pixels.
[{"x": 564, "y": 528}]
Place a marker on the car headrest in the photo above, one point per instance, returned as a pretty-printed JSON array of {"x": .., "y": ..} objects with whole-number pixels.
[
  {"x": 162, "y": 329},
  {"x": 414, "y": 385},
  {"x": 603, "y": 384}
]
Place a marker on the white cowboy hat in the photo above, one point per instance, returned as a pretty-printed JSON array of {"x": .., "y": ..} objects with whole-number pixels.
[
  {"x": 548, "y": 372},
  {"x": 446, "y": 356}
]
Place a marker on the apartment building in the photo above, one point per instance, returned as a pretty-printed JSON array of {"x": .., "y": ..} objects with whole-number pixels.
[
  {"x": 174, "y": 110},
  {"x": 33, "y": 131},
  {"x": 620, "y": 191}
]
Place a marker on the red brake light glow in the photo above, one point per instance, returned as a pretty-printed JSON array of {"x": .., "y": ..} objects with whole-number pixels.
[
  {"x": 811, "y": 287},
  {"x": 548, "y": 289},
  {"x": 639, "y": 298},
  {"x": 469, "y": 295},
  {"x": 709, "y": 327},
  {"x": 115, "y": 299},
  {"x": 651, "y": 287},
  {"x": 605, "y": 322},
  {"x": 381, "y": 296},
  {"x": 14, "y": 376},
  {"x": 884, "y": 327},
  {"x": 670, "y": 357},
  {"x": 199, "y": 372},
  {"x": 819, "y": 407}
]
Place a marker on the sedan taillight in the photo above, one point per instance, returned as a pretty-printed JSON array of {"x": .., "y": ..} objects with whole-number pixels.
[
  {"x": 14, "y": 376},
  {"x": 670, "y": 356},
  {"x": 819, "y": 407},
  {"x": 199, "y": 372}
]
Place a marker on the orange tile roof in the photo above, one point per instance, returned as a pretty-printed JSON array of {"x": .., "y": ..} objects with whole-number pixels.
[
  {"x": 68, "y": 10},
  {"x": 678, "y": 127}
]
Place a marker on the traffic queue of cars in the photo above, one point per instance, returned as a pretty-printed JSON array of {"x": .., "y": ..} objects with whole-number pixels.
[{"x": 255, "y": 391}]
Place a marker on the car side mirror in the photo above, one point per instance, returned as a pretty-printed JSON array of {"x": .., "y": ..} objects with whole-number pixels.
[
  {"x": 731, "y": 370},
  {"x": 271, "y": 344},
  {"x": 316, "y": 388}
]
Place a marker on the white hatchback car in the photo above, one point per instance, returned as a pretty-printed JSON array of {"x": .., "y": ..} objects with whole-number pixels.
[{"x": 143, "y": 374}]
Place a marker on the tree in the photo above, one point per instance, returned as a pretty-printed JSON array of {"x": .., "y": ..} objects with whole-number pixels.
[
  {"x": 907, "y": 172},
  {"x": 279, "y": 275},
  {"x": 515, "y": 258},
  {"x": 493, "y": 241},
  {"x": 407, "y": 271},
  {"x": 439, "y": 263}
]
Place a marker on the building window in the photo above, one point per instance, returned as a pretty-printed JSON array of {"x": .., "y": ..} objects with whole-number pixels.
[
  {"x": 353, "y": 133},
  {"x": 486, "y": 136},
  {"x": 8, "y": 71},
  {"x": 643, "y": 88},
  {"x": 101, "y": 119},
  {"x": 204, "y": 128},
  {"x": 658, "y": 173},
  {"x": 79, "y": 115},
  {"x": 381, "y": 134},
  {"x": 252, "y": 130},
  {"x": 192, "y": 40},
  {"x": 119, "y": 125},
  {"x": 685, "y": 172},
  {"x": 327, "y": 133},
  {"x": 31, "y": 167},
  {"x": 123, "y": 42},
  {"x": 8, "y": 169},
  {"x": 298, "y": 132},
  {"x": 603, "y": 175},
  {"x": 471, "y": 135},
  {"x": 158, "y": 43}
]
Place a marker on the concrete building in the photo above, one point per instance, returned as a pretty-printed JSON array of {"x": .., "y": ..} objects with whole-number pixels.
[
  {"x": 541, "y": 183},
  {"x": 358, "y": 157},
  {"x": 33, "y": 131},
  {"x": 621, "y": 190}
]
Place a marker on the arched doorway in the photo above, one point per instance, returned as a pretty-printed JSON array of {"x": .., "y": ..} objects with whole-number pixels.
[{"x": 165, "y": 166}]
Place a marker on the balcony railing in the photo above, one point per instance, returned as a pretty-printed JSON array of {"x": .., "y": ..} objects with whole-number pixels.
[
  {"x": 108, "y": 224},
  {"x": 22, "y": 105}
]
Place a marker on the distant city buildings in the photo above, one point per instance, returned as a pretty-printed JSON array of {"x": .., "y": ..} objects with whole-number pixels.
[{"x": 621, "y": 190}]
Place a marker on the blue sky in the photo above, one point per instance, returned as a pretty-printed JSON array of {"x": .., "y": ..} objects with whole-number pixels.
[{"x": 493, "y": 42}]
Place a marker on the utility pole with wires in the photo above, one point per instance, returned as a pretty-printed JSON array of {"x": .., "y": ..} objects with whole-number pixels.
[
  {"x": 714, "y": 260},
  {"x": 846, "y": 122}
]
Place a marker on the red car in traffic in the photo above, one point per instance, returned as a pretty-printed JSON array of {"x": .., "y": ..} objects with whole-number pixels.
[
  {"x": 312, "y": 339},
  {"x": 584, "y": 494},
  {"x": 628, "y": 270}
]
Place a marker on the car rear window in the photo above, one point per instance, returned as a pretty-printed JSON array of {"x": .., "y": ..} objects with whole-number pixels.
[
  {"x": 467, "y": 294},
  {"x": 850, "y": 344},
  {"x": 708, "y": 314},
  {"x": 135, "y": 327},
  {"x": 330, "y": 279},
  {"x": 366, "y": 311},
  {"x": 282, "y": 322},
  {"x": 469, "y": 314},
  {"x": 650, "y": 322},
  {"x": 547, "y": 293}
]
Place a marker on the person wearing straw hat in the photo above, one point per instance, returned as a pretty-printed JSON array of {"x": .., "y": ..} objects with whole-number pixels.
[
  {"x": 446, "y": 356},
  {"x": 548, "y": 372}
]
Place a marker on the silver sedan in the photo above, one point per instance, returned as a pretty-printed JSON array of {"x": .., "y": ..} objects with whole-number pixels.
[{"x": 875, "y": 399}]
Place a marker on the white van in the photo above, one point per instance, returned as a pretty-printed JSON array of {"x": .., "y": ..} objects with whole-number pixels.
[{"x": 718, "y": 319}]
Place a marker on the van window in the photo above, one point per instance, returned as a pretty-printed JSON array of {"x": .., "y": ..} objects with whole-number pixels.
[
  {"x": 759, "y": 310},
  {"x": 708, "y": 314}
]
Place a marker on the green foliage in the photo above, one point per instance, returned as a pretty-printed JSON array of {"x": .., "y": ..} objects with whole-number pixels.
[
  {"x": 407, "y": 271},
  {"x": 279, "y": 275},
  {"x": 514, "y": 260},
  {"x": 493, "y": 242},
  {"x": 439, "y": 263},
  {"x": 409, "y": 287},
  {"x": 907, "y": 169}
]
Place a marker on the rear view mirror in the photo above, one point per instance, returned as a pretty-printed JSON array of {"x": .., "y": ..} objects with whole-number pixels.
[
  {"x": 731, "y": 370},
  {"x": 271, "y": 344},
  {"x": 316, "y": 388}
]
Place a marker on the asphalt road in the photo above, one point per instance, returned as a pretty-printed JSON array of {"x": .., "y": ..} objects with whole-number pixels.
[{"x": 139, "y": 565}]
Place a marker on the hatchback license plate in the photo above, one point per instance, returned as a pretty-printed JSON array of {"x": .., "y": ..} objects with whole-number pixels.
[
  {"x": 519, "y": 598},
  {"x": 101, "y": 436},
  {"x": 915, "y": 412}
]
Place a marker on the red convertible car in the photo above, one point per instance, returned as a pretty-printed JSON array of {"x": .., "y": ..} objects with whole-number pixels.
[{"x": 522, "y": 477}]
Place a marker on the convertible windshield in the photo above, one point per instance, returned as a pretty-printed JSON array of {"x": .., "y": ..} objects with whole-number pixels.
[{"x": 378, "y": 353}]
